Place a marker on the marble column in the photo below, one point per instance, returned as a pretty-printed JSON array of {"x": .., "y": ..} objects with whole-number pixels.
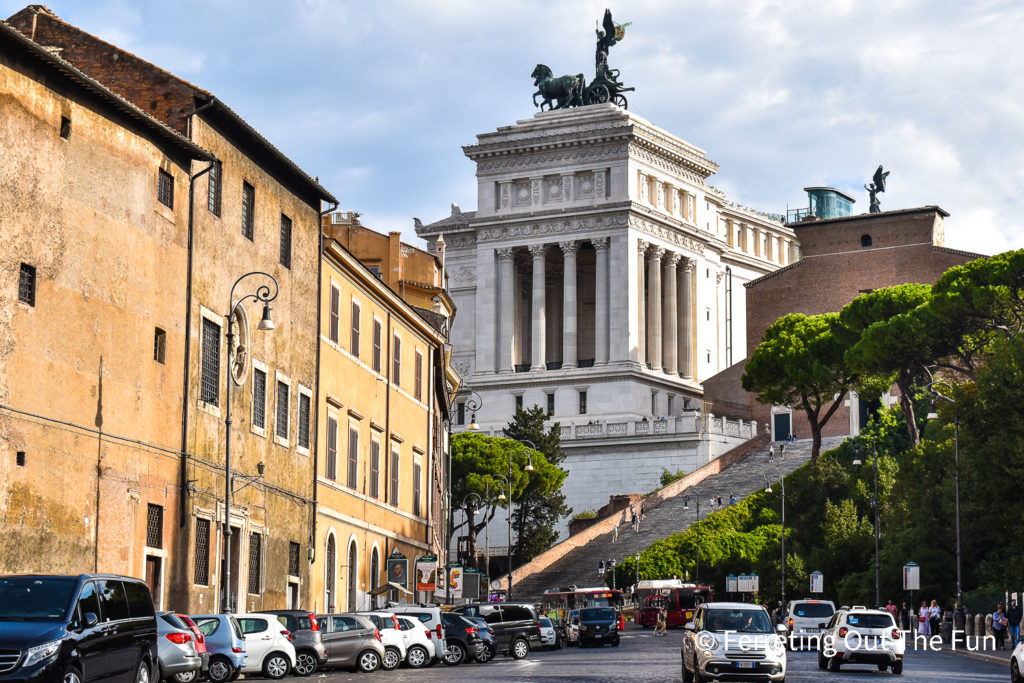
[
  {"x": 654, "y": 306},
  {"x": 601, "y": 326},
  {"x": 539, "y": 252},
  {"x": 507, "y": 320},
  {"x": 569, "y": 320},
  {"x": 685, "y": 319},
  {"x": 670, "y": 318},
  {"x": 641, "y": 304}
]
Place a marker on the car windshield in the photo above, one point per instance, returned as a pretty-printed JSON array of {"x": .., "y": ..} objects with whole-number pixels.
[
  {"x": 597, "y": 614},
  {"x": 870, "y": 620},
  {"x": 25, "y": 598},
  {"x": 812, "y": 609},
  {"x": 737, "y": 620},
  {"x": 545, "y": 622}
]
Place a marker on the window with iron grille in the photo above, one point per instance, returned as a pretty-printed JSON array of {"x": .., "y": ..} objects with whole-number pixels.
[
  {"x": 293, "y": 558},
  {"x": 159, "y": 345},
  {"x": 155, "y": 526},
  {"x": 209, "y": 381},
  {"x": 374, "y": 469},
  {"x": 418, "y": 379},
  {"x": 303, "y": 435},
  {"x": 331, "y": 471},
  {"x": 416, "y": 473},
  {"x": 165, "y": 188},
  {"x": 248, "y": 210},
  {"x": 201, "y": 573},
  {"x": 356, "y": 323},
  {"x": 213, "y": 192},
  {"x": 259, "y": 398},
  {"x": 396, "y": 364},
  {"x": 27, "y": 285},
  {"x": 353, "y": 458},
  {"x": 286, "y": 241},
  {"x": 377, "y": 334},
  {"x": 395, "y": 462},
  {"x": 282, "y": 409},
  {"x": 335, "y": 314},
  {"x": 255, "y": 561}
]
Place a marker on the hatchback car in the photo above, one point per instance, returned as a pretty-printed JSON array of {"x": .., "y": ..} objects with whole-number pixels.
[
  {"x": 225, "y": 643},
  {"x": 177, "y": 649},
  {"x": 419, "y": 646},
  {"x": 861, "y": 636},
  {"x": 490, "y": 649},
  {"x": 462, "y": 638},
  {"x": 352, "y": 641},
  {"x": 309, "y": 646},
  {"x": 431, "y": 618},
  {"x": 549, "y": 634},
  {"x": 268, "y": 646},
  {"x": 733, "y": 641},
  {"x": 391, "y": 636}
]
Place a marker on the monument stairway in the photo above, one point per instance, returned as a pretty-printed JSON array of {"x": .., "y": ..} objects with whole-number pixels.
[{"x": 580, "y": 565}]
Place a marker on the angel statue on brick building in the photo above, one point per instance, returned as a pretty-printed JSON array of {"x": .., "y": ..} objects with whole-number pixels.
[{"x": 877, "y": 186}]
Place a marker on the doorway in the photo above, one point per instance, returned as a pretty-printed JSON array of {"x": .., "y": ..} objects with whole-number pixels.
[
  {"x": 154, "y": 579},
  {"x": 782, "y": 426},
  {"x": 353, "y": 573}
]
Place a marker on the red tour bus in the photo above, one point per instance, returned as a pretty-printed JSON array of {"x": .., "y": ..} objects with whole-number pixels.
[{"x": 679, "y": 603}]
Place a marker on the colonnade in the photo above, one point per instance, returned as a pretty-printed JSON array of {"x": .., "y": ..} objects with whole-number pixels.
[{"x": 665, "y": 310}]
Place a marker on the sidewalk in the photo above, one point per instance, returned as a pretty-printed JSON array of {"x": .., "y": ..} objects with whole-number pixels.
[{"x": 984, "y": 651}]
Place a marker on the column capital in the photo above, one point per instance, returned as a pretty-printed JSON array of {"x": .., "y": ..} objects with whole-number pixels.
[
  {"x": 642, "y": 246},
  {"x": 600, "y": 243},
  {"x": 570, "y": 247},
  {"x": 538, "y": 250},
  {"x": 672, "y": 258},
  {"x": 504, "y": 253},
  {"x": 656, "y": 252}
]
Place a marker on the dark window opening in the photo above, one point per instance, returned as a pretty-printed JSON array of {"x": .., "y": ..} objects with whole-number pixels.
[
  {"x": 255, "y": 561},
  {"x": 20, "y": 458},
  {"x": 460, "y": 414},
  {"x": 165, "y": 189},
  {"x": 209, "y": 387},
  {"x": 332, "y": 331},
  {"x": 396, "y": 374},
  {"x": 519, "y": 402},
  {"x": 286, "y": 241},
  {"x": 583, "y": 403},
  {"x": 282, "y": 409},
  {"x": 213, "y": 193},
  {"x": 159, "y": 345},
  {"x": 417, "y": 472},
  {"x": 293, "y": 558},
  {"x": 259, "y": 398},
  {"x": 356, "y": 324},
  {"x": 155, "y": 526},
  {"x": 65, "y": 127},
  {"x": 551, "y": 404},
  {"x": 304, "y": 409},
  {"x": 202, "y": 557},
  {"x": 248, "y": 210},
  {"x": 418, "y": 379},
  {"x": 27, "y": 285},
  {"x": 865, "y": 240}
]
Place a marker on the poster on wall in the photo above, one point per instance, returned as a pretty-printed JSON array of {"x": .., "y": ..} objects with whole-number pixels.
[
  {"x": 398, "y": 569},
  {"x": 426, "y": 574},
  {"x": 455, "y": 581}
]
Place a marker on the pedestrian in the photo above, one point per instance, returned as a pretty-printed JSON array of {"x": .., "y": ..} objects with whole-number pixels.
[
  {"x": 711, "y": 504},
  {"x": 642, "y": 515},
  {"x": 661, "y": 627},
  {"x": 891, "y": 609},
  {"x": 732, "y": 499},
  {"x": 1013, "y": 617},
  {"x": 923, "y": 625},
  {"x": 615, "y": 533},
  {"x": 633, "y": 520},
  {"x": 600, "y": 568},
  {"x": 771, "y": 453},
  {"x": 719, "y": 501},
  {"x": 999, "y": 623},
  {"x": 934, "y": 617},
  {"x": 904, "y": 620}
]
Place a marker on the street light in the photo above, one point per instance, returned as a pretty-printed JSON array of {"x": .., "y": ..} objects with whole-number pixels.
[
  {"x": 263, "y": 293},
  {"x": 474, "y": 403},
  {"x": 696, "y": 572},
  {"x": 932, "y": 415},
  {"x": 528, "y": 468},
  {"x": 777, "y": 476},
  {"x": 874, "y": 504}
]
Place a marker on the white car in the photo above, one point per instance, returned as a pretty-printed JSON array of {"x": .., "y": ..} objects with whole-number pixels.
[
  {"x": 861, "y": 636},
  {"x": 390, "y": 636},
  {"x": 804, "y": 619},
  {"x": 419, "y": 646},
  {"x": 431, "y": 619},
  {"x": 733, "y": 641},
  {"x": 548, "y": 634},
  {"x": 1017, "y": 663},
  {"x": 268, "y": 646},
  {"x": 572, "y": 627}
]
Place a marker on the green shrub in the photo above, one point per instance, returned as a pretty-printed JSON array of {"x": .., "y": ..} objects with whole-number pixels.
[
  {"x": 669, "y": 477},
  {"x": 586, "y": 514}
]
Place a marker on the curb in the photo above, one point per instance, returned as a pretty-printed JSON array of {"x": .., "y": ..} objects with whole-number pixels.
[{"x": 978, "y": 655}]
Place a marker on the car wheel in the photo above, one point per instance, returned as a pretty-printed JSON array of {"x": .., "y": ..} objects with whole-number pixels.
[
  {"x": 235, "y": 673},
  {"x": 276, "y": 666},
  {"x": 455, "y": 655},
  {"x": 369, "y": 661},
  {"x": 520, "y": 648},
  {"x": 142, "y": 673},
  {"x": 305, "y": 663},
  {"x": 834, "y": 663},
  {"x": 73, "y": 675},
  {"x": 220, "y": 669},
  {"x": 822, "y": 662},
  {"x": 897, "y": 668},
  {"x": 486, "y": 655},
  {"x": 1014, "y": 671},
  {"x": 186, "y": 677},
  {"x": 416, "y": 657},
  {"x": 883, "y": 667},
  {"x": 392, "y": 658}
]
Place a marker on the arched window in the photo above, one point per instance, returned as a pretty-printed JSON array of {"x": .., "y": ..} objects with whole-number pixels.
[
  {"x": 330, "y": 587},
  {"x": 865, "y": 240},
  {"x": 374, "y": 569},
  {"x": 353, "y": 573}
]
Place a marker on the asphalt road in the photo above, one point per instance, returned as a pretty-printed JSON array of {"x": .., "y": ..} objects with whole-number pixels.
[{"x": 642, "y": 658}]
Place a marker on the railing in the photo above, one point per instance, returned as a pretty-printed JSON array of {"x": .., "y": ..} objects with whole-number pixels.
[{"x": 690, "y": 423}]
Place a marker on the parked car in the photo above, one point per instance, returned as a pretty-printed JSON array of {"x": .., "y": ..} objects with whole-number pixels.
[
  {"x": 431, "y": 618},
  {"x": 861, "y": 636},
  {"x": 310, "y": 653},
  {"x": 462, "y": 638},
  {"x": 490, "y": 649},
  {"x": 733, "y": 641},
  {"x": 225, "y": 643},
  {"x": 1017, "y": 663},
  {"x": 176, "y": 648},
  {"x": 268, "y": 645},
  {"x": 419, "y": 646},
  {"x": 803, "y": 620},
  {"x": 352, "y": 641},
  {"x": 200, "y": 641},
  {"x": 599, "y": 626},
  {"x": 572, "y": 627},
  {"x": 549, "y": 634},
  {"x": 77, "y": 628},
  {"x": 516, "y": 625},
  {"x": 391, "y": 636}
]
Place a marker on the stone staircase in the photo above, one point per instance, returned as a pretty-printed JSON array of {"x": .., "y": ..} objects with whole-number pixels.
[{"x": 578, "y": 566}]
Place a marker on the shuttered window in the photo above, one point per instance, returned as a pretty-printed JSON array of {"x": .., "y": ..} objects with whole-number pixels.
[
  {"x": 332, "y": 449},
  {"x": 353, "y": 458}
]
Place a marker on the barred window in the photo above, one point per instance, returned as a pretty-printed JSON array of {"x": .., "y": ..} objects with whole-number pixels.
[
  {"x": 209, "y": 382},
  {"x": 335, "y": 314},
  {"x": 282, "y": 409},
  {"x": 165, "y": 188},
  {"x": 293, "y": 558},
  {"x": 395, "y": 462},
  {"x": 255, "y": 561},
  {"x": 201, "y": 574},
  {"x": 417, "y": 471},
  {"x": 377, "y": 334},
  {"x": 286, "y": 241},
  {"x": 418, "y": 379},
  {"x": 331, "y": 465},
  {"x": 355, "y": 329},
  {"x": 213, "y": 193},
  {"x": 396, "y": 365},
  {"x": 374, "y": 469},
  {"x": 248, "y": 210},
  {"x": 155, "y": 526},
  {"x": 27, "y": 285},
  {"x": 259, "y": 398},
  {"x": 353, "y": 458},
  {"x": 304, "y": 406}
]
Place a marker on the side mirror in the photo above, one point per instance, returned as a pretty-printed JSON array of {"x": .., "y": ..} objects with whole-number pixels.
[
  {"x": 690, "y": 626},
  {"x": 781, "y": 628},
  {"x": 89, "y": 620},
  {"x": 822, "y": 625}
]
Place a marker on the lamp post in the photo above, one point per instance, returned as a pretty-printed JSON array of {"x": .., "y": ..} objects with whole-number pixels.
[
  {"x": 686, "y": 506},
  {"x": 474, "y": 403},
  {"x": 874, "y": 504},
  {"x": 470, "y": 518},
  {"x": 932, "y": 415},
  {"x": 770, "y": 476},
  {"x": 262, "y": 293}
]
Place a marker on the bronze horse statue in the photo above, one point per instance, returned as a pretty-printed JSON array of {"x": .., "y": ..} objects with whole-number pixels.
[{"x": 566, "y": 90}]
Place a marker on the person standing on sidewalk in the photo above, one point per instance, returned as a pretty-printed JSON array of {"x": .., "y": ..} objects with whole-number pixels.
[
  {"x": 1013, "y": 616},
  {"x": 923, "y": 625},
  {"x": 934, "y": 618},
  {"x": 891, "y": 609},
  {"x": 999, "y": 622},
  {"x": 904, "y": 617}
]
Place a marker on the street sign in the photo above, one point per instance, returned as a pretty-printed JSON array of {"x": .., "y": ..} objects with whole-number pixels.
[
  {"x": 747, "y": 584},
  {"x": 730, "y": 584},
  {"x": 817, "y": 582},
  {"x": 911, "y": 577}
]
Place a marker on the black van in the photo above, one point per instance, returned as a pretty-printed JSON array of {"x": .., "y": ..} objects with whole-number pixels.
[
  {"x": 516, "y": 625},
  {"x": 76, "y": 629}
]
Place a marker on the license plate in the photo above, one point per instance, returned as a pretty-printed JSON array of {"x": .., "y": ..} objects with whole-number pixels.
[
  {"x": 811, "y": 630},
  {"x": 745, "y": 665},
  {"x": 598, "y": 635}
]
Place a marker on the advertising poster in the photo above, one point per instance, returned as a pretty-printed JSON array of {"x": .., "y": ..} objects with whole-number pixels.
[
  {"x": 426, "y": 574},
  {"x": 398, "y": 569},
  {"x": 455, "y": 581}
]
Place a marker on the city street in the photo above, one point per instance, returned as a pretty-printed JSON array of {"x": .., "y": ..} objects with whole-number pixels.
[{"x": 643, "y": 658}]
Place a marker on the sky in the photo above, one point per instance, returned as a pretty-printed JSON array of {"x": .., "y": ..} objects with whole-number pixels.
[{"x": 377, "y": 98}]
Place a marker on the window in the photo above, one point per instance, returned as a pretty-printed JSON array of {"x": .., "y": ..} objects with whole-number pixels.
[
  {"x": 377, "y": 334},
  {"x": 418, "y": 378},
  {"x": 201, "y": 561},
  {"x": 374, "y": 469},
  {"x": 331, "y": 471},
  {"x": 259, "y": 398},
  {"x": 113, "y": 601},
  {"x": 354, "y": 342},
  {"x": 416, "y": 474},
  {"x": 286, "y": 241},
  {"x": 27, "y": 285},
  {"x": 305, "y": 403},
  {"x": 255, "y": 561},
  {"x": 209, "y": 381},
  {"x": 335, "y": 314},
  {"x": 865, "y": 240},
  {"x": 551, "y": 404},
  {"x": 213, "y": 191},
  {"x": 65, "y": 127},
  {"x": 282, "y": 409},
  {"x": 396, "y": 374},
  {"x": 353, "y": 458},
  {"x": 159, "y": 345},
  {"x": 460, "y": 414},
  {"x": 395, "y": 462},
  {"x": 519, "y": 402},
  {"x": 583, "y": 402},
  {"x": 293, "y": 558},
  {"x": 155, "y": 526},
  {"x": 654, "y": 403},
  {"x": 248, "y": 210},
  {"x": 19, "y": 458},
  {"x": 165, "y": 188}
]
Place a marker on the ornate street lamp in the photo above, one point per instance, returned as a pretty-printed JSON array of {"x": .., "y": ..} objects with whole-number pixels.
[
  {"x": 932, "y": 415},
  {"x": 773, "y": 475},
  {"x": 474, "y": 403},
  {"x": 874, "y": 505},
  {"x": 696, "y": 572}
]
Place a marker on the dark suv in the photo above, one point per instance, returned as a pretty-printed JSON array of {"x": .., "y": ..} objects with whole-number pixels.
[
  {"x": 462, "y": 638},
  {"x": 310, "y": 653},
  {"x": 77, "y": 628},
  {"x": 599, "y": 625},
  {"x": 516, "y": 625}
]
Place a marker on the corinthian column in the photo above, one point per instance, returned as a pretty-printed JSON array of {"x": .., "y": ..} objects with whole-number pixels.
[
  {"x": 601, "y": 301},
  {"x": 654, "y": 306},
  {"x": 569, "y": 324},
  {"x": 641, "y": 304},
  {"x": 507, "y": 321},
  {"x": 685, "y": 316},
  {"x": 538, "y": 251},
  {"x": 670, "y": 314}
]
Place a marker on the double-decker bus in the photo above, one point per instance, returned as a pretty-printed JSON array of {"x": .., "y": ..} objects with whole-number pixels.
[{"x": 679, "y": 600}]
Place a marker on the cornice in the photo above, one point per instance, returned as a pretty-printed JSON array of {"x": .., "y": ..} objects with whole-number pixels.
[{"x": 553, "y": 226}]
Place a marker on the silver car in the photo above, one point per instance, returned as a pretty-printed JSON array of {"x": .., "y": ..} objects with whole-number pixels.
[{"x": 177, "y": 649}]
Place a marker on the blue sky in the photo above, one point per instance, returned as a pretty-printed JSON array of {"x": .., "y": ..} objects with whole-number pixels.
[{"x": 377, "y": 98}]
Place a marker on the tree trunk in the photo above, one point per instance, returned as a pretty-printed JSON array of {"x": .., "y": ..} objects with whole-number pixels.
[
  {"x": 903, "y": 379},
  {"x": 471, "y": 537}
]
